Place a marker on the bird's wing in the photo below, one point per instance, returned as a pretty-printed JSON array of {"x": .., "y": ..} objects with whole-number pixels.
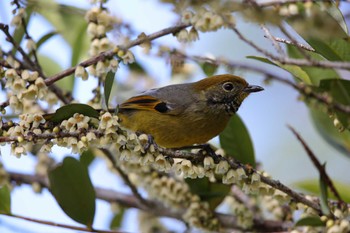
[{"x": 150, "y": 103}]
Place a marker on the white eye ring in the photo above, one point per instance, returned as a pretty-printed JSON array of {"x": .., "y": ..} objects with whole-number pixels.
[{"x": 228, "y": 86}]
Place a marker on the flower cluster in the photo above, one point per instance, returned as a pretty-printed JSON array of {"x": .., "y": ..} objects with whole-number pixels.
[
  {"x": 198, "y": 214},
  {"x": 24, "y": 86}
]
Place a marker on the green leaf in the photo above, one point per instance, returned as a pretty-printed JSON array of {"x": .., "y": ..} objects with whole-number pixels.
[
  {"x": 49, "y": 66},
  {"x": 324, "y": 194},
  {"x": 213, "y": 193},
  {"x": 87, "y": 157},
  {"x": 340, "y": 92},
  {"x": 235, "y": 140},
  {"x": 108, "y": 86},
  {"x": 296, "y": 71},
  {"x": 324, "y": 125},
  {"x": 71, "y": 186},
  {"x": 79, "y": 49},
  {"x": 209, "y": 69},
  {"x": 5, "y": 200},
  {"x": 314, "y": 221},
  {"x": 312, "y": 186},
  {"x": 45, "y": 38},
  {"x": 117, "y": 219},
  {"x": 315, "y": 74},
  {"x": 262, "y": 59},
  {"x": 69, "y": 110},
  {"x": 137, "y": 67},
  {"x": 18, "y": 34}
]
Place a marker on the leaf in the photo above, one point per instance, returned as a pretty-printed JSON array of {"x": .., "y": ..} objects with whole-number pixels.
[
  {"x": 313, "y": 187},
  {"x": 87, "y": 157},
  {"x": 69, "y": 110},
  {"x": 324, "y": 125},
  {"x": 324, "y": 194},
  {"x": 315, "y": 74},
  {"x": 18, "y": 34},
  {"x": 71, "y": 186},
  {"x": 296, "y": 71},
  {"x": 262, "y": 59},
  {"x": 79, "y": 49},
  {"x": 340, "y": 92},
  {"x": 5, "y": 200},
  {"x": 313, "y": 221},
  {"x": 209, "y": 69},
  {"x": 45, "y": 38},
  {"x": 49, "y": 66},
  {"x": 213, "y": 193},
  {"x": 108, "y": 86},
  {"x": 235, "y": 140},
  {"x": 117, "y": 219},
  {"x": 137, "y": 67}
]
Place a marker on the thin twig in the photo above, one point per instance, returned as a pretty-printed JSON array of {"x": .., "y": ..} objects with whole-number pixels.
[
  {"x": 321, "y": 169},
  {"x": 111, "y": 53},
  {"x": 125, "y": 177},
  {"x": 300, "y": 45},
  {"x": 291, "y": 61},
  {"x": 54, "y": 224},
  {"x": 272, "y": 39}
]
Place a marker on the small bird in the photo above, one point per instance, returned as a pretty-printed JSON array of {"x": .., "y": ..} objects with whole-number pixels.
[{"x": 185, "y": 114}]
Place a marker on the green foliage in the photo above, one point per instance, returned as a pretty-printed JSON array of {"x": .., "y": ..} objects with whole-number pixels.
[
  {"x": 87, "y": 157},
  {"x": 213, "y": 193},
  {"x": 313, "y": 221},
  {"x": 117, "y": 220},
  {"x": 236, "y": 141},
  {"x": 5, "y": 200},
  {"x": 71, "y": 186},
  {"x": 67, "y": 111},
  {"x": 209, "y": 69},
  {"x": 313, "y": 187},
  {"x": 324, "y": 125},
  {"x": 108, "y": 86},
  {"x": 340, "y": 93}
]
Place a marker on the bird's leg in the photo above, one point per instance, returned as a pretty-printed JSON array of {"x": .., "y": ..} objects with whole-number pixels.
[
  {"x": 150, "y": 141},
  {"x": 204, "y": 147}
]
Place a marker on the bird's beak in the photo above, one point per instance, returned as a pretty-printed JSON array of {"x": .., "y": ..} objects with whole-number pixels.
[{"x": 252, "y": 88}]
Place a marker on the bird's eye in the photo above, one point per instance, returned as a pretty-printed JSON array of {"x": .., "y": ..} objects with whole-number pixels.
[{"x": 228, "y": 86}]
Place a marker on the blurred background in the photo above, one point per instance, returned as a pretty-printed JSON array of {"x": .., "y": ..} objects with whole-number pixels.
[{"x": 265, "y": 114}]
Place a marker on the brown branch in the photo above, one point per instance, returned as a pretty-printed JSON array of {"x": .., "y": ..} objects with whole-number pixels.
[
  {"x": 226, "y": 221},
  {"x": 125, "y": 177},
  {"x": 291, "y": 61},
  {"x": 234, "y": 165},
  {"x": 321, "y": 169},
  {"x": 111, "y": 53},
  {"x": 54, "y": 224}
]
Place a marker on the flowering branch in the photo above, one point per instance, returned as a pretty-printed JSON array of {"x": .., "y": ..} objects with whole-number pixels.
[{"x": 227, "y": 221}]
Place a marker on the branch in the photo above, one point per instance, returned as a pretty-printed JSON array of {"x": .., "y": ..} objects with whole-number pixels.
[
  {"x": 227, "y": 221},
  {"x": 54, "y": 224},
  {"x": 234, "y": 165},
  {"x": 321, "y": 169},
  {"x": 300, "y": 45},
  {"x": 110, "y": 53},
  {"x": 291, "y": 61},
  {"x": 125, "y": 177}
]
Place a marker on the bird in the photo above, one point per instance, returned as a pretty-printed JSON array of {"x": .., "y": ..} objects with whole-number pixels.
[{"x": 186, "y": 114}]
